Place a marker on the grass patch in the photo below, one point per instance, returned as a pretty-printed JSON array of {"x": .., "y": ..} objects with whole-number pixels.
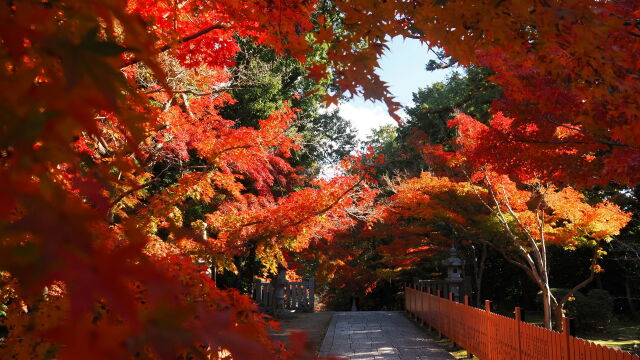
[
  {"x": 623, "y": 335},
  {"x": 457, "y": 352},
  {"x": 620, "y": 334}
]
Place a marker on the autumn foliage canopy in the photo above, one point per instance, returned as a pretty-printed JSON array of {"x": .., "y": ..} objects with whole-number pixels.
[{"x": 111, "y": 130}]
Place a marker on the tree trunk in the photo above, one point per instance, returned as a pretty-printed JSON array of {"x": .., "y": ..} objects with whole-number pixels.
[
  {"x": 558, "y": 312},
  {"x": 478, "y": 271},
  {"x": 546, "y": 306},
  {"x": 479, "y": 274},
  {"x": 478, "y": 297}
]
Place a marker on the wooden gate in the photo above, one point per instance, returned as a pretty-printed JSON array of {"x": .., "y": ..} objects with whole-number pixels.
[{"x": 297, "y": 295}]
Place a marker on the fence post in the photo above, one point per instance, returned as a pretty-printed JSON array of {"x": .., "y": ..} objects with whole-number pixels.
[
  {"x": 414, "y": 302},
  {"x": 438, "y": 316},
  {"x": 450, "y": 313},
  {"x": 429, "y": 312},
  {"x": 517, "y": 311},
  {"x": 567, "y": 336},
  {"x": 418, "y": 303},
  {"x": 406, "y": 298},
  {"x": 422, "y": 316},
  {"x": 466, "y": 303},
  {"x": 487, "y": 308}
]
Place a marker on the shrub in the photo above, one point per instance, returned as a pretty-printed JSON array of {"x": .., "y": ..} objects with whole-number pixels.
[
  {"x": 591, "y": 311},
  {"x": 595, "y": 311},
  {"x": 571, "y": 307}
]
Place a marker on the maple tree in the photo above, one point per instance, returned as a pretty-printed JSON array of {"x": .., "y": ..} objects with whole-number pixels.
[
  {"x": 533, "y": 214},
  {"x": 517, "y": 145},
  {"x": 123, "y": 184},
  {"x": 469, "y": 202},
  {"x": 399, "y": 151},
  {"x": 532, "y": 217},
  {"x": 346, "y": 266},
  {"x": 567, "y": 114},
  {"x": 567, "y": 69}
]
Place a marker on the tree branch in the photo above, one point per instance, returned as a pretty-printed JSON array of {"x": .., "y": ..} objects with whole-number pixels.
[
  {"x": 538, "y": 256},
  {"x": 522, "y": 266},
  {"x": 181, "y": 41},
  {"x": 596, "y": 137},
  {"x": 192, "y": 92},
  {"x": 129, "y": 192},
  {"x": 533, "y": 269},
  {"x": 585, "y": 282},
  {"x": 315, "y": 213}
]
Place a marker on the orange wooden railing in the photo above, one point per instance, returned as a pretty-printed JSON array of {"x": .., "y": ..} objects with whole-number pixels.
[{"x": 490, "y": 336}]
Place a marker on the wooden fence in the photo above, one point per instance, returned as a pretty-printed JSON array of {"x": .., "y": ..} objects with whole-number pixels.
[
  {"x": 490, "y": 336},
  {"x": 445, "y": 286}
]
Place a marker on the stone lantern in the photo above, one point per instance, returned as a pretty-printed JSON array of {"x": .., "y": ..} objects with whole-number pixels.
[{"x": 454, "y": 267}]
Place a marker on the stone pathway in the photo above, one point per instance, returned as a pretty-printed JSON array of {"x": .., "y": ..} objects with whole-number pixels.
[{"x": 359, "y": 335}]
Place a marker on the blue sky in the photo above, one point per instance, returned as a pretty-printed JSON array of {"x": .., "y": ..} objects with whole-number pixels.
[{"x": 403, "y": 68}]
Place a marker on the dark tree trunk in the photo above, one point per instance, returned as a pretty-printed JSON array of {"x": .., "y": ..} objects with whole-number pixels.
[
  {"x": 557, "y": 318},
  {"x": 478, "y": 273}
]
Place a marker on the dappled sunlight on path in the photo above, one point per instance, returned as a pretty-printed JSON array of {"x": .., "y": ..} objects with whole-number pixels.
[{"x": 378, "y": 335}]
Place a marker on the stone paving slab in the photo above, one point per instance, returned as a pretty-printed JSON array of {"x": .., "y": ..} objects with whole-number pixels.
[{"x": 378, "y": 335}]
